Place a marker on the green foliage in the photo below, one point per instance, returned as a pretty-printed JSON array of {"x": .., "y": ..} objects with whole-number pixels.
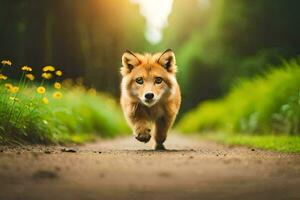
[
  {"x": 265, "y": 104},
  {"x": 48, "y": 113},
  {"x": 281, "y": 143},
  {"x": 218, "y": 44},
  {"x": 77, "y": 117},
  {"x": 82, "y": 112}
]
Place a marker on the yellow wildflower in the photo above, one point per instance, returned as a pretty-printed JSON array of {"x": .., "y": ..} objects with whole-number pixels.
[
  {"x": 8, "y": 86},
  {"x": 57, "y": 95},
  {"x": 14, "y": 89},
  {"x": 41, "y": 90},
  {"x": 58, "y": 73},
  {"x": 30, "y": 76},
  {"x": 6, "y": 62},
  {"x": 14, "y": 99},
  {"x": 26, "y": 68},
  {"x": 3, "y": 77},
  {"x": 48, "y": 68},
  {"x": 57, "y": 85},
  {"x": 45, "y": 100},
  {"x": 46, "y": 75}
]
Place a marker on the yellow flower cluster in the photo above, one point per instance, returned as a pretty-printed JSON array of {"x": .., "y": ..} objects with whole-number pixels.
[
  {"x": 6, "y": 62},
  {"x": 3, "y": 77},
  {"x": 11, "y": 88},
  {"x": 8, "y": 86},
  {"x": 57, "y": 95},
  {"x": 57, "y": 85},
  {"x": 49, "y": 69},
  {"x": 41, "y": 90},
  {"x": 30, "y": 76},
  {"x": 58, "y": 73},
  {"x": 14, "y": 89},
  {"x": 47, "y": 72},
  {"x": 46, "y": 75},
  {"x": 26, "y": 68}
]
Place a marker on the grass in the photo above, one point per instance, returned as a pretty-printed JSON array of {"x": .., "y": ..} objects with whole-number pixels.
[
  {"x": 49, "y": 111},
  {"x": 281, "y": 143},
  {"x": 269, "y": 103},
  {"x": 265, "y": 104}
]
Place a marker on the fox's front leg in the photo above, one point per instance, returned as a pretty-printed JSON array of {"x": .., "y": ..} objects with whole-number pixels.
[
  {"x": 137, "y": 121},
  {"x": 142, "y": 130},
  {"x": 162, "y": 126}
]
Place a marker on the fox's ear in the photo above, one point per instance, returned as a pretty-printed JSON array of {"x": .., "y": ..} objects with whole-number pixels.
[
  {"x": 129, "y": 61},
  {"x": 167, "y": 60}
]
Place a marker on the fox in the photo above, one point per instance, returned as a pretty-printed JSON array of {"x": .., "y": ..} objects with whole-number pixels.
[{"x": 150, "y": 94}]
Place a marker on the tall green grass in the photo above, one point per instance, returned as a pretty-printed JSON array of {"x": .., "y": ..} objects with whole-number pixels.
[
  {"x": 265, "y": 104},
  {"x": 58, "y": 115}
]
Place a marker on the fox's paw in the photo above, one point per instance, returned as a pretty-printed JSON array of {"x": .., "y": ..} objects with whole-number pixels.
[
  {"x": 143, "y": 135},
  {"x": 159, "y": 147}
]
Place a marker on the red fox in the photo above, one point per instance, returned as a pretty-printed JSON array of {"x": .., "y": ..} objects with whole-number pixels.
[{"x": 150, "y": 94}]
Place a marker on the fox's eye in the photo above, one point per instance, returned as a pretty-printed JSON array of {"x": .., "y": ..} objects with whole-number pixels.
[
  {"x": 158, "y": 80},
  {"x": 139, "y": 80}
]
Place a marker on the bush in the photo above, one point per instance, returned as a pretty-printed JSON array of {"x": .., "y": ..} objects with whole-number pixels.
[
  {"x": 47, "y": 113},
  {"x": 265, "y": 104}
]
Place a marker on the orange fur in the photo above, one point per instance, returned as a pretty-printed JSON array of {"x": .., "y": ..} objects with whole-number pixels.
[{"x": 150, "y": 74}]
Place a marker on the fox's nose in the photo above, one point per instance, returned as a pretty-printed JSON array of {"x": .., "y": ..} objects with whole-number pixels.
[{"x": 149, "y": 95}]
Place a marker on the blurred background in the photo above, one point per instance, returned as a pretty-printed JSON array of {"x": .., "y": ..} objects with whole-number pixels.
[{"x": 217, "y": 43}]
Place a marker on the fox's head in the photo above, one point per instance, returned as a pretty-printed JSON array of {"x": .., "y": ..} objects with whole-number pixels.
[{"x": 148, "y": 78}]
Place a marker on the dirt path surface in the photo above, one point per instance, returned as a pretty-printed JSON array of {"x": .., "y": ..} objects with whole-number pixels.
[{"x": 126, "y": 169}]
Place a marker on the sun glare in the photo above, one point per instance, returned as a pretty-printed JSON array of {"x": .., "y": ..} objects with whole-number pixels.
[
  {"x": 204, "y": 3},
  {"x": 156, "y": 13}
]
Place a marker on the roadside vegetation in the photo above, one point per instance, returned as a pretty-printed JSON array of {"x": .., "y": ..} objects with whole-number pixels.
[
  {"x": 282, "y": 143},
  {"x": 265, "y": 105},
  {"x": 41, "y": 108}
]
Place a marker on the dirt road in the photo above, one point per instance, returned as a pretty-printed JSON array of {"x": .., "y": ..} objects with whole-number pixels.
[{"x": 126, "y": 169}]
